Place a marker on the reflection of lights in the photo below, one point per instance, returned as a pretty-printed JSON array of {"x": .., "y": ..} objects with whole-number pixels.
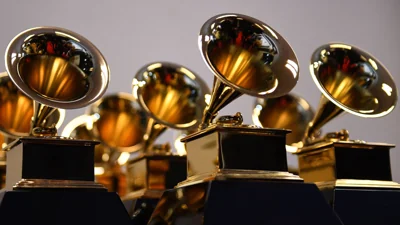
[
  {"x": 303, "y": 103},
  {"x": 123, "y": 158},
  {"x": 105, "y": 157},
  {"x": 323, "y": 52},
  {"x": 270, "y": 90},
  {"x": 66, "y": 35},
  {"x": 373, "y": 64},
  {"x": 61, "y": 117},
  {"x": 29, "y": 37},
  {"x": 255, "y": 116},
  {"x": 340, "y": 46},
  {"x": 154, "y": 66},
  {"x": 206, "y": 38},
  {"x": 366, "y": 111},
  {"x": 13, "y": 57},
  {"x": 290, "y": 67},
  {"x": 98, "y": 171},
  {"x": 136, "y": 84},
  {"x": 3, "y": 145},
  {"x": 207, "y": 98},
  {"x": 291, "y": 149},
  {"x": 180, "y": 146},
  {"x": 187, "y": 72},
  {"x": 80, "y": 120},
  {"x": 212, "y": 25},
  {"x": 315, "y": 65},
  {"x": 224, "y": 16},
  {"x": 272, "y": 32},
  {"x": 387, "y": 89}
]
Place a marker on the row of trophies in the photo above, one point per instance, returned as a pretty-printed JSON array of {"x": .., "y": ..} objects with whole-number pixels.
[{"x": 106, "y": 167}]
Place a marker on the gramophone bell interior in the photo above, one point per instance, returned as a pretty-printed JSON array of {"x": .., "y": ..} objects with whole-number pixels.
[
  {"x": 356, "y": 81},
  {"x": 16, "y": 110},
  {"x": 171, "y": 94},
  {"x": 119, "y": 122},
  {"x": 57, "y": 67},
  {"x": 286, "y": 112},
  {"x": 350, "y": 80},
  {"x": 247, "y": 57}
]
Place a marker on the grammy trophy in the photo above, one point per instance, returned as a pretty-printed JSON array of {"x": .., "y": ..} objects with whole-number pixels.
[
  {"x": 173, "y": 97},
  {"x": 250, "y": 184},
  {"x": 55, "y": 68},
  {"x": 354, "y": 175}
]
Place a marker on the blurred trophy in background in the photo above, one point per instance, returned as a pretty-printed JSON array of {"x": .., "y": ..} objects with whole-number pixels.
[
  {"x": 173, "y": 97},
  {"x": 250, "y": 183},
  {"x": 354, "y": 175},
  {"x": 16, "y": 111},
  {"x": 289, "y": 111},
  {"x": 118, "y": 122},
  {"x": 56, "y": 68}
]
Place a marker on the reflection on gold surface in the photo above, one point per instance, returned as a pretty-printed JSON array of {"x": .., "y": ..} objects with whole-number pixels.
[
  {"x": 243, "y": 67},
  {"x": 285, "y": 112},
  {"x": 168, "y": 97},
  {"x": 15, "y": 111},
  {"x": 119, "y": 129},
  {"x": 349, "y": 91},
  {"x": 53, "y": 77}
]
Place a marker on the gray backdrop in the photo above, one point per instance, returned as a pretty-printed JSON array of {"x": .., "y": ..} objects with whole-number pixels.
[{"x": 133, "y": 33}]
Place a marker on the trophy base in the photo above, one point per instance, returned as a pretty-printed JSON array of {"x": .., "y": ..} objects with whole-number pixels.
[
  {"x": 55, "y": 206},
  {"x": 238, "y": 202},
  {"x": 364, "y": 202},
  {"x": 229, "y": 174},
  {"x": 51, "y": 181},
  {"x": 141, "y": 204}
]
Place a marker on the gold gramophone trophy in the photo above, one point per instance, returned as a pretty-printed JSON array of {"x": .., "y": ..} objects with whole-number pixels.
[
  {"x": 16, "y": 110},
  {"x": 289, "y": 111},
  {"x": 251, "y": 183},
  {"x": 173, "y": 97},
  {"x": 52, "y": 177},
  {"x": 354, "y": 175}
]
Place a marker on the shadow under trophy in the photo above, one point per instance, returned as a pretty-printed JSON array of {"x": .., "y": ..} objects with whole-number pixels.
[
  {"x": 251, "y": 183},
  {"x": 16, "y": 110},
  {"x": 354, "y": 175},
  {"x": 173, "y": 97},
  {"x": 50, "y": 179}
]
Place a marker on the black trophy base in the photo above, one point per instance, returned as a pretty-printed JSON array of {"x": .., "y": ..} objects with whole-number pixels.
[
  {"x": 62, "y": 208},
  {"x": 140, "y": 209},
  {"x": 366, "y": 206},
  {"x": 238, "y": 202}
]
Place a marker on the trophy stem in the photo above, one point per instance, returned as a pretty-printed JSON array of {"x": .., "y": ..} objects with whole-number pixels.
[
  {"x": 40, "y": 113},
  {"x": 221, "y": 96},
  {"x": 153, "y": 131},
  {"x": 325, "y": 112}
]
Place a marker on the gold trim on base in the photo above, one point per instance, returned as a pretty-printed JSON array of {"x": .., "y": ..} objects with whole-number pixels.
[
  {"x": 45, "y": 183},
  {"x": 358, "y": 183},
  {"x": 144, "y": 193},
  {"x": 228, "y": 174}
]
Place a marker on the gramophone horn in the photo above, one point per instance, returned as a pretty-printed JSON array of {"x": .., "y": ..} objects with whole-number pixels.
[
  {"x": 350, "y": 80},
  {"x": 172, "y": 95},
  {"x": 16, "y": 111},
  {"x": 57, "y": 68},
  {"x": 247, "y": 57},
  {"x": 119, "y": 122},
  {"x": 289, "y": 111}
]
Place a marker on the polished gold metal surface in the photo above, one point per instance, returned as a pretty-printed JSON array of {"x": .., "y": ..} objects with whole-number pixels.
[
  {"x": 119, "y": 122},
  {"x": 16, "y": 111},
  {"x": 350, "y": 80},
  {"x": 286, "y": 112},
  {"x": 247, "y": 57},
  {"x": 172, "y": 96},
  {"x": 57, "y": 68}
]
